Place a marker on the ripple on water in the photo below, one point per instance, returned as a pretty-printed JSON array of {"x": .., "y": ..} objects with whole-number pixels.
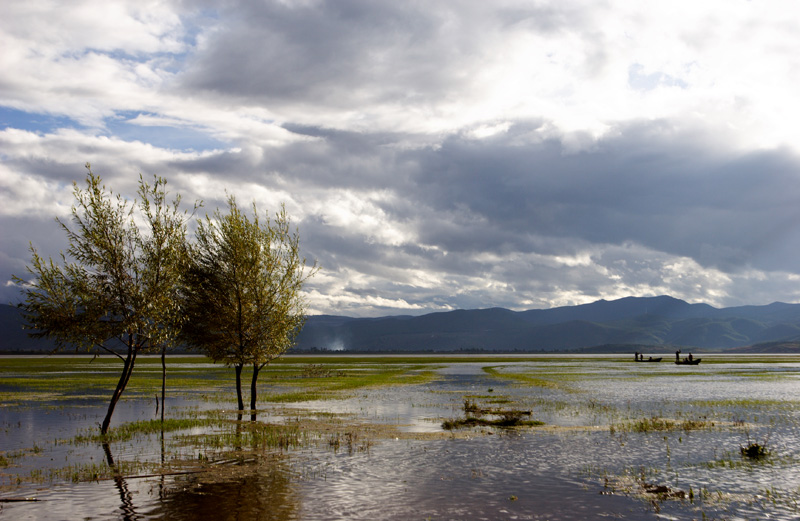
[{"x": 542, "y": 474}]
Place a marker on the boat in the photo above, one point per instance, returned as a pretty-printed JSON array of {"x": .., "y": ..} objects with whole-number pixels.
[
  {"x": 651, "y": 359},
  {"x": 686, "y": 361}
]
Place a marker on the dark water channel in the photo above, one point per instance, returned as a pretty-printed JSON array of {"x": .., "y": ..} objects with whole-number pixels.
[{"x": 582, "y": 465}]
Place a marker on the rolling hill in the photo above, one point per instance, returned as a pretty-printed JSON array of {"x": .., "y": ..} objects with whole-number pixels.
[
  {"x": 651, "y": 321},
  {"x": 644, "y": 321}
]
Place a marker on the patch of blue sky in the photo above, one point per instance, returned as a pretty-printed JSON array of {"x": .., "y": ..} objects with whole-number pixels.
[
  {"x": 197, "y": 23},
  {"x": 193, "y": 26},
  {"x": 640, "y": 81},
  {"x": 33, "y": 121},
  {"x": 175, "y": 137}
]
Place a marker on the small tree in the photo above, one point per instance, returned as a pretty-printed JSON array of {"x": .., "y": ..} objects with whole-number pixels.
[
  {"x": 283, "y": 301},
  {"x": 243, "y": 291},
  {"x": 117, "y": 287}
]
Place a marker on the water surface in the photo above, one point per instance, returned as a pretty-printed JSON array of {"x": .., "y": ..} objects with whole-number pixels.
[{"x": 584, "y": 464}]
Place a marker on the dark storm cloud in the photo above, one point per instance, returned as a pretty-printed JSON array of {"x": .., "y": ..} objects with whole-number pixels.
[
  {"x": 277, "y": 51},
  {"x": 668, "y": 190},
  {"x": 665, "y": 192},
  {"x": 353, "y": 53}
]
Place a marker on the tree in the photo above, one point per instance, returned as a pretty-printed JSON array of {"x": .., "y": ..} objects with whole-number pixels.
[
  {"x": 243, "y": 290},
  {"x": 117, "y": 287}
]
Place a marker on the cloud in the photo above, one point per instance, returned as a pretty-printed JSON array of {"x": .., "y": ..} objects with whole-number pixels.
[{"x": 434, "y": 156}]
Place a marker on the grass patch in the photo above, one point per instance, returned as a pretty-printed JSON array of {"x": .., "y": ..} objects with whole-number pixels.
[
  {"x": 128, "y": 431},
  {"x": 553, "y": 381},
  {"x": 255, "y": 436},
  {"x": 656, "y": 424},
  {"x": 502, "y": 418},
  {"x": 86, "y": 472},
  {"x": 326, "y": 388},
  {"x": 510, "y": 419}
]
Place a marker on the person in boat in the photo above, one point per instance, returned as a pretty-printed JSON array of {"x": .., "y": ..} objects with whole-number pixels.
[
  {"x": 678, "y": 355},
  {"x": 690, "y": 357},
  {"x": 636, "y": 356}
]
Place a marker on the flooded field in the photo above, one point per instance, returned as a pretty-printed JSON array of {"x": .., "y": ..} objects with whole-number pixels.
[{"x": 414, "y": 437}]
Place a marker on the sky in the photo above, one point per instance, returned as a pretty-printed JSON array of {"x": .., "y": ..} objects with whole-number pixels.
[{"x": 433, "y": 155}]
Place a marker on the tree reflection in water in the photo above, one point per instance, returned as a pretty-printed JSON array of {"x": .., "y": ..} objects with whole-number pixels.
[
  {"x": 258, "y": 489},
  {"x": 255, "y": 492},
  {"x": 128, "y": 511}
]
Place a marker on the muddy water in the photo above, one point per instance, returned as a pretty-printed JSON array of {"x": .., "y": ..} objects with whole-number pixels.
[{"x": 573, "y": 468}]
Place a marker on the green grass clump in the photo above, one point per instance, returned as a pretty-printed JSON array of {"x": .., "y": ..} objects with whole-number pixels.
[
  {"x": 503, "y": 418},
  {"x": 128, "y": 431},
  {"x": 254, "y": 436},
  {"x": 656, "y": 424},
  {"x": 503, "y": 421},
  {"x": 755, "y": 451}
]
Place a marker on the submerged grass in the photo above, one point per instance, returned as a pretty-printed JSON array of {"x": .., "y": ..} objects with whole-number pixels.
[
  {"x": 209, "y": 439},
  {"x": 504, "y": 421},
  {"x": 551, "y": 381},
  {"x": 253, "y": 436},
  {"x": 128, "y": 431},
  {"x": 324, "y": 388},
  {"x": 82, "y": 472},
  {"x": 59, "y": 378},
  {"x": 503, "y": 418},
  {"x": 656, "y": 424}
]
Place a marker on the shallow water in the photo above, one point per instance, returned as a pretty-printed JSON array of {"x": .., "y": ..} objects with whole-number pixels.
[{"x": 574, "y": 468}]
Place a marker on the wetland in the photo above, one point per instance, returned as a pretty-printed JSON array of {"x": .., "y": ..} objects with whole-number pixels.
[{"x": 404, "y": 437}]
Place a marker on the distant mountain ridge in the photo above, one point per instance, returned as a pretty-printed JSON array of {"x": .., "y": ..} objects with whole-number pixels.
[
  {"x": 648, "y": 321},
  {"x": 652, "y": 321}
]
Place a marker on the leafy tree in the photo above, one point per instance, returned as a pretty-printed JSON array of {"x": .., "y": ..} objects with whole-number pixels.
[
  {"x": 243, "y": 290},
  {"x": 117, "y": 287}
]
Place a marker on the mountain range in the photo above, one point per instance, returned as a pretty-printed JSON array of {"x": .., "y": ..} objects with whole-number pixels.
[
  {"x": 645, "y": 321},
  {"x": 615, "y": 325}
]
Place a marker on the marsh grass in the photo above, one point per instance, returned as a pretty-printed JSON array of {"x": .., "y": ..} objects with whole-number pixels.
[
  {"x": 350, "y": 440},
  {"x": 503, "y": 418},
  {"x": 320, "y": 371},
  {"x": 94, "y": 471},
  {"x": 208, "y": 440},
  {"x": 253, "y": 436},
  {"x": 289, "y": 379},
  {"x": 556, "y": 381},
  {"x": 58, "y": 378},
  {"x": 327, "y": 388},
  {"x": 755, "y": 450},
  {"x": 128, "y": 431},
  {"x": 656, "y": 424},
  {"x": 505, "y": 421}
]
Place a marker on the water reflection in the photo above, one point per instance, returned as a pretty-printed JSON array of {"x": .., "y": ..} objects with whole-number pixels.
[
  {"x": 262, "y": 492},
  {"x": 495, "y": 477},
  {"x": 128, "y": 510}
]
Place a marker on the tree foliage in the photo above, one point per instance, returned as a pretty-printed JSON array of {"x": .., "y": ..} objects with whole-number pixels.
[
  {"x": 244, "y": 304},
  {"x": 117, "y": 287}
]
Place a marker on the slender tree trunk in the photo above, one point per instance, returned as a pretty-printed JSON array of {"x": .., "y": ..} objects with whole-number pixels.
[
  {"x": 254, "y": 391},
  {"x": 127, "y": 369},
  {"x": 163, "y": 382},
  {"x": 238, "y": 368}
]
